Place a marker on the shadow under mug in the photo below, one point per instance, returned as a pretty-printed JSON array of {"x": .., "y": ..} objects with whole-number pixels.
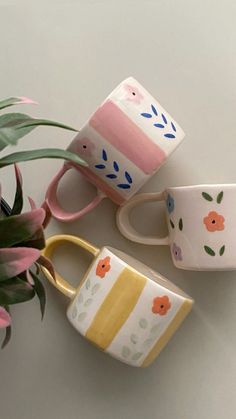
[
  {"x": 124, "y": 143},
  {"x": 123, "y": 307},
  {"x": 201, "y": 225}
]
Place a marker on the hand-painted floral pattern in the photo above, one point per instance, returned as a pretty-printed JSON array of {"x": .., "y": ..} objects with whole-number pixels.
[
  {"x": 214, "y": 221},
  {"x": 103, "y": 267},
  {"x": 170, "y": 203},
  {"x": 85, "y": 147},
  {"x": 177, "y": 252},
  {"x": 133, "y": 94},
  {"x": 161, "y": 305}
]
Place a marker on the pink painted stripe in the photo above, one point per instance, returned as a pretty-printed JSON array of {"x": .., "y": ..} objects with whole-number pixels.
[
  {"x": 100, "y": 184},
  {"x": 119, "y": 130}
]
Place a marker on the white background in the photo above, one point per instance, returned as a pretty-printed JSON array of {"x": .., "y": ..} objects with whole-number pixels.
[{"x": 68, "y": 55}]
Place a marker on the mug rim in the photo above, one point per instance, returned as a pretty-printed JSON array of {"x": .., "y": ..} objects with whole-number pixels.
[{"x": 201, "y": 186}]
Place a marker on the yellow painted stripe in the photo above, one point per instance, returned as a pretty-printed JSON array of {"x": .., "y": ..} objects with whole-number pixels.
[
  {"x": 116, "y": 308},
  {"x": 173, "y": 326}
]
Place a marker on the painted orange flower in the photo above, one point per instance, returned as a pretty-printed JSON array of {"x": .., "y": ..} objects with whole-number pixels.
[
  {"x": 103, "y": 267},
  {"x": 161, "y": 305},
  {"x": 214, "y": 221}
]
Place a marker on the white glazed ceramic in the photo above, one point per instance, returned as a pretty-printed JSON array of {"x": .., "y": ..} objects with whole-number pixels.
[
  {"x": 122, "y": 306},
  {"x": 201, "y": 224},
  {"x": 124, "y": 143}
]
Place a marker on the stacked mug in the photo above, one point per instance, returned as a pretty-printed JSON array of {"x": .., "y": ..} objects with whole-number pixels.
[{"x": 122, "y": 306}]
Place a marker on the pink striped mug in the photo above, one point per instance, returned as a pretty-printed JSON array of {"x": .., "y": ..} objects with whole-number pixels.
[{"x": 124, "y": 143}]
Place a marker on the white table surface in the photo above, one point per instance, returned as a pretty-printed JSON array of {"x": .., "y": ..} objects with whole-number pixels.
[{"x": 68, "y": 55}]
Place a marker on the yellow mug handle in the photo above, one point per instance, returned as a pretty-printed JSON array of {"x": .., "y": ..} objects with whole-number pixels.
[{"x": 51, "y": 244}]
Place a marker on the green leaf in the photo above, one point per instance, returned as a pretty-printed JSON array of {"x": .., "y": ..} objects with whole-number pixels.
[
  {"x": 52, "y": 153},
  {"x": 15, "y": 101},
  {"x": 143, "y": 323},
  {"x": 219, "y": 197},
  {"x": 33, "y": 122},
  {"x": 46, "y": 263},
  {"x": 15, "y": 260},
  {"x": 209, "y": 251},
  {"x": 172, "y": 224},
  {"x": 18, "y": 201},
  {"x": 19, "y": 228},
  {"x": 136, "y": 356},
  {"x": 8, "y": 133},
  {"x": 14, "y": 291},
  {"x": 207, "y": 196},
  {"x": 181, "y": 224},
  {"x": 7, "y": 337},
  {"x": 40, "y": 292},
  {"x": 222, "y": 250}
]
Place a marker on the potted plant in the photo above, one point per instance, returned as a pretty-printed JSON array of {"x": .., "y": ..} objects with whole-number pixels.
[{"x": 22, "y": 234}]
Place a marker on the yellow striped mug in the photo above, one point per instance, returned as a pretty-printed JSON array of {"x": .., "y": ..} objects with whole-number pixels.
[{"x": 123, "y": 307}]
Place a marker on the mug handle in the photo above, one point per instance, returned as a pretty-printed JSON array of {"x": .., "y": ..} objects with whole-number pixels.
[
  {"x": 53, "y": 204},
  {"x": 51, "y": 244},
  {"x": 123, "y": 219}
]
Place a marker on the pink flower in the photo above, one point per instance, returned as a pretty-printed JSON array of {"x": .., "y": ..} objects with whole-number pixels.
[
  {"x": 85, "y": 147},
  {"x": 5, "y": 319},
  {"x": 133, "y": 94}
]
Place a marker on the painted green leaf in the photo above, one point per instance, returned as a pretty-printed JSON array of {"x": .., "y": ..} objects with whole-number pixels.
[
  {"x": 50, "y": 153},
  {"x": 18, "y": 201},
  {"x": 136, "y": 356},
  {"x": 14, "y": 291},
  {"x": 40, "y": 292},
  {"x": 95, "y": 288},
  {"x": 82, "y": 316},
  {"x": 88, "y": 302},
  {"x": 219, "y": 197},
  {"x": 222, "y": 250},
  {"x": 172, "y": 224},
  {"x": 80, "y": 298},
  {"x": 209, "y": 251},
  {"x": 87, "y": 284},
  {"x": 143, "y": 323},
  {"x": 74, "y": 312},
  {"x": 125, "y": 351},
  {"x": 148, "y": 342},
  {"x": 134, "y": 338},
  {"x": 181, "y": 224},
  {"x": 207, "y": 196}
]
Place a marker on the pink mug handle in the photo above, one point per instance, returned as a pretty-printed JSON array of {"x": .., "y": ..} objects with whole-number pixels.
[{"x": 54, "y": 206}]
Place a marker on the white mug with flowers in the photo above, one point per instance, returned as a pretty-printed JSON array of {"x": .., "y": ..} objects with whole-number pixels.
[{"x": 201, "y": 225}]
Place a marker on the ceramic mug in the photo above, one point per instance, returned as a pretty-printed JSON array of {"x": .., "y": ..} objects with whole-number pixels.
[
  {"x": 124, "y": 143},
  {"x": 201, "y": 225},
  {"x": 121, "y": 306}
]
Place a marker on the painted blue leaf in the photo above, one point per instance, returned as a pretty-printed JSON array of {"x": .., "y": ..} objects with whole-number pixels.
[
  {"x": 100, "y": 166},
  {"x": 123, "y": 186},
  {"x": 111, "y": 176},
  {"x": 158, "y": 125},
  {"x": 128, "y": 177},
  {"x": 146, "y": 115},
  {"x": 173, "y": 126},
  {"x": 164, "y": 118},
  {"x": 116, "y": 167},
  {"x": 104, "y": 155},
  {"x": 169, "y": 135},
  {"x": 154, "y": 110}
]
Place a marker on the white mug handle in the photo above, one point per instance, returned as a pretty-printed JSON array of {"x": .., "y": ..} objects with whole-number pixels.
[{"x": 123, "y": 219}]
